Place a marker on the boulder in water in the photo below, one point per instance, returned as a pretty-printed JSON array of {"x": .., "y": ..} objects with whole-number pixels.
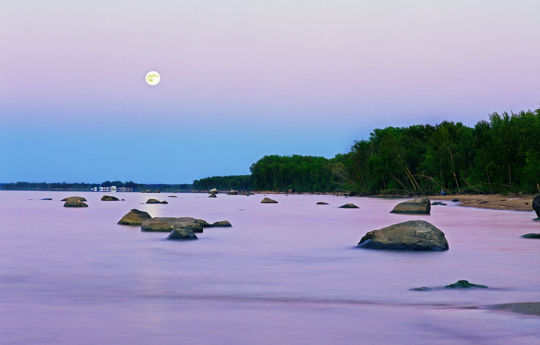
[
  {"x": 134, "y": 217},
  {"x": 71, "y": 198},
  {"x": 416, "y": 206},
  {"x": 438, "y": 203},
  {"x": 464, "y": 284},
  {"x": 109, "y": 198},
  {"x": 348, "y": 206},
  {"x": 212, "y": 196},
  {"x": 74, "y": 203},
  {"x": 167, "y": 224},
  {"x": 221, "y": 224},
  {"x": 531, "y": 235},
  {"x": 232, "y": 192},
  {"x": 182, "y": 234},
  {"x": 268, "y": 201},
  {"x": 46, "y": 199},
  {"x": 155, "y": 201},
  {"x": 322, "y": 203},
  {"x": 411, "y": 235},
  {"x": 203, "y": 223},
  {"x": 536, "y": 205}
]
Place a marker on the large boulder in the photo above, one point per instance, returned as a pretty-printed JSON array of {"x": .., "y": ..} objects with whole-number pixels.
[
  {"x": 416, "y": 206},
  {"x": 536, "y": 205},
  {"x": 268, "y": 201},
  {"x": 167, "y": 224},
  {"x": 72, "y": 198},
  {"x": 134, "y": 217},
  {"x": 348, "y": 206},
  {"x": 74, "y": 203},
  {"x": 221, "y": 224},
  {"x": 182, "y": 234},
  {"x": 411, "y": 235},
  {"x": 109, "y": 198}
]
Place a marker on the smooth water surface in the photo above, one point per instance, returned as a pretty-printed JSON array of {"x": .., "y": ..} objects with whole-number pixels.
[{"x": 286, "y": 273}]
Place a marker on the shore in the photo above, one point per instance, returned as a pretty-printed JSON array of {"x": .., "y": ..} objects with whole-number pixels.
[{"x": 491, "y": 201}]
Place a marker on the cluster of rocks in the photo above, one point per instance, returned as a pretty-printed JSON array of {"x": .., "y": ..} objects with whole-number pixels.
[{"x": 179, "y": 228}]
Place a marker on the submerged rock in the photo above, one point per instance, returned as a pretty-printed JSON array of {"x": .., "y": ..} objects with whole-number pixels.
[
  {"x": 416, "y": 206},
  {"x": 348, "y": 206},
  {"x": 423, "y": 288},
  {"x": 46, "y": 199},
  {"x": 155, "y": 201},
  {"x": 464, "y": 284},
  {"x": 536, "y": 205},
  {"x": 268, "y": 201},
  {"x": 71, "y": 198},
  {"x": 134, "y": 217},
  {"x": 411, "y": 235},
  {"x": 109, "y": 198},
  {"x": 167, "y": 224},
  {"x": 172, "y": 196},
  {"x": 322, "y": 203},
  {"x": 438, "y": 203},
  {"x": 74, "y": 203},
  {"x": 531, "y": 235},
  {"x": 212, "y": 196},
  {"x": 222, "y": 224}
]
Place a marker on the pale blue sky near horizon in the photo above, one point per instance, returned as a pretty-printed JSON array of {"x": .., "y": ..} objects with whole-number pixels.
[{"x": 244, "y": 78}]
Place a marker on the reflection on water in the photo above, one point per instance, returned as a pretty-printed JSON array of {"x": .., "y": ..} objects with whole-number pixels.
[{"x": 286, "y": 273}]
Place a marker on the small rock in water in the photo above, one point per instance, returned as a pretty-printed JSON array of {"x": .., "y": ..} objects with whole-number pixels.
[
  {"x": 213, "y": 191},
  {"x": 455, "y": 200},
  {"x": 464, "y": 284},
  {"x": 438, "y": 203},
  {"x": 109, "y": 198},
  {"x": 74, "y": 203},
  {"x": 182, "y": 234},
  {"x": 322, "y": 203},
  {"x": 70, "y": 198},
  {"x": 416, "y": 206},
  {"x": 531, "y": 235},
  {"x": 268, "y": 201},
  {"x": 348, "y": 206},
  {"x": 423, "y": 288},
  {"x": 536, "y": 205},
  {"x": 222, "y": 224},
  {"x": 212, "y": 195},
  {"x": 46, "y": 199},
  {"x": 172, "y": 196},
  {"x": 134, "y": 217},
  {"x": 155, "y": 201}
]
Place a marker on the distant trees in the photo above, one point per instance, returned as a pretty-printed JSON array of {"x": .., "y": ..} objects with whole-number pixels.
[{"x": 236, "y": 182}]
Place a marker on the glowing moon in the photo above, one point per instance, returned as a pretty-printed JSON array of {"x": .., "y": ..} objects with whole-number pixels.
[{"x": 152, "y": 78}]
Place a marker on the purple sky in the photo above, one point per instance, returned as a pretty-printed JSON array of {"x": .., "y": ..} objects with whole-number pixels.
[{"x": 241, "y": 79}]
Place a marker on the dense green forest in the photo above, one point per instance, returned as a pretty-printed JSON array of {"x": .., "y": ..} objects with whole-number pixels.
[
  {"x": 236, "y": 182},
  {"x": 500, "y": 155}
]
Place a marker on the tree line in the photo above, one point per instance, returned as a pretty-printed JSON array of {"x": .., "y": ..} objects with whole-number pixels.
[{"x": 496, "y": 156}]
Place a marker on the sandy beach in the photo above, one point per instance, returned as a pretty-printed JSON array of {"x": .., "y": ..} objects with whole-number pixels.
[{"x": 491, "y": 201}]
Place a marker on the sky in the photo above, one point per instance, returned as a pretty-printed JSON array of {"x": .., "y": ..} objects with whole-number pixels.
[{"x": 242, "y": 79}]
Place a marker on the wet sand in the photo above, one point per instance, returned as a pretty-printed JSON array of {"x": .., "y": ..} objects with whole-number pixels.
[{"x": 491, "y": 201}]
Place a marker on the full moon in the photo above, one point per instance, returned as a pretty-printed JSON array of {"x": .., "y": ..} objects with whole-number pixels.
[{"x": 152, "y": 78}]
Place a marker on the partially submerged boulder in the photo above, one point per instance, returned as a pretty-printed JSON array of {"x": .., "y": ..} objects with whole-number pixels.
[
  {"x": 531, "y": 235},
  {"x": 172, "y": 196},
  {"x": 322, "y": 203},
  {"x": 74, "y": 203},
  {"x": 416, "y": 206},
  {"x": 182, "y": 234},
  {"x": 134, "y": 217},
  {"x": 348, "y": 206},
  {"x": 71, "y": 198},
  {"x": 536, "y": 205},
  {"x": 411, "y": 235},
  {"x": 464, "y": 284},
  {"x": 268, "y": 201},
  {"x": 155, "y": 201},
  {"x": 109, "y": 198},
  {"x": 46, "y": 199},
  {"x": 167, "y": 224},
  {"x": 221, "y": 224},
  {"x": 212, "y": 196}
]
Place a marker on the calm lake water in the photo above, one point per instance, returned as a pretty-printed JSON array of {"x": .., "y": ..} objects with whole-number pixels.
[{"x": 286, "y": 273}]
